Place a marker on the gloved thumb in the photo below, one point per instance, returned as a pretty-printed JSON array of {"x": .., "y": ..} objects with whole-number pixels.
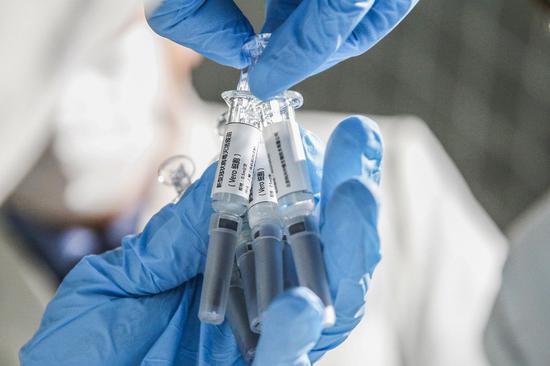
[
  {"x": 170, "y": 250},
  {"x": 291, "y": 327}
]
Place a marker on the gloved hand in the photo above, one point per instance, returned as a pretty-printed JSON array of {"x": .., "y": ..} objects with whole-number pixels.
[
  {"x": 308, "y": 36},
  {"x": 138, "y": 304}
]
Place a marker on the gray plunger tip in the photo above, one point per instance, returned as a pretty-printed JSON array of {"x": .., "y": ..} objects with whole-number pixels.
[
  {"x": 224, "y": 231},
  {"x": 238, "y": 319},
  {"x": 310, "y": 265},
  {"x": 268, "y": 255}
]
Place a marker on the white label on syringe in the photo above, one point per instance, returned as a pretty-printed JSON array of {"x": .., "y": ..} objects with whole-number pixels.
[
  {"x": 236, "y": 162},
  {"x": 287, "y": 158},
  {"x": 263, "y": 189}
]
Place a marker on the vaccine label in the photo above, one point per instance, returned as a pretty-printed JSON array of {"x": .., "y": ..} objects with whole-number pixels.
[
  {"x": 287, "y": 158},
  {"x": 263, "y": 189},
  {"x": 236, "y": 162}
]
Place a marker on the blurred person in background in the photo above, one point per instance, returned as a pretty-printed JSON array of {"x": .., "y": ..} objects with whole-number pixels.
[
  {"x": 123, "y": 97},
  {"x": 114, "y": 122},
  {"x": 95, "y": 182}
]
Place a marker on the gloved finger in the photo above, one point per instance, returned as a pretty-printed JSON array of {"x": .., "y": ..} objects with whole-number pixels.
[
  {"x": 291, "y": 326},
  {"x": 351, "y": 175},
  {"x": 381, "y": 19},
  {"x": 314, "y": 149},
  {"x": 303, "y": 43},
  {"x": 276, "y": 12},
  {"x": 216, "y": 29},
  {"x": 349, "y": 212},
  {"x": 353, "y": 150}
]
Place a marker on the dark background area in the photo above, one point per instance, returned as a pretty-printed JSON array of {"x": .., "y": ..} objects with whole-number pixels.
[{"x": 478, "y": 73}]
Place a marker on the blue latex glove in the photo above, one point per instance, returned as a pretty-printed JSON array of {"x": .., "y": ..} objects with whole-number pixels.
[
  {"x": 308, "y": 36},
  {"x": 138, "y": 304}
]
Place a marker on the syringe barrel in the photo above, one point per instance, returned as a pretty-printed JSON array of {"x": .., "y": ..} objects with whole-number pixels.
[
  {"x": 268, "y": 254},
  {"x": 224, "y": 232},
  {"x": 303, "y": 237},
  {"x": 238, "y": 318}
]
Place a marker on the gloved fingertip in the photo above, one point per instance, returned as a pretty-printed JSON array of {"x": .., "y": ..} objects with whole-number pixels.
[
  {"x": 260, "y": 88},
  {"x": 355, "y": 149},
  {"x": 265, "y": 80},
  {"x": 238, "y": 59},
  {"x": 364, "y": 132}
]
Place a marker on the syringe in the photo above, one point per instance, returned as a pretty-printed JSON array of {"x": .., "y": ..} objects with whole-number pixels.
[
  {"x": 231, "y": 191},
  {"x": 266, "y": 225},
  {"x": 294, "y": 194}
]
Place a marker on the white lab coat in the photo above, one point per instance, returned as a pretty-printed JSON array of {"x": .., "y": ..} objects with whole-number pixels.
[{"x": 433, "y": 290}]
